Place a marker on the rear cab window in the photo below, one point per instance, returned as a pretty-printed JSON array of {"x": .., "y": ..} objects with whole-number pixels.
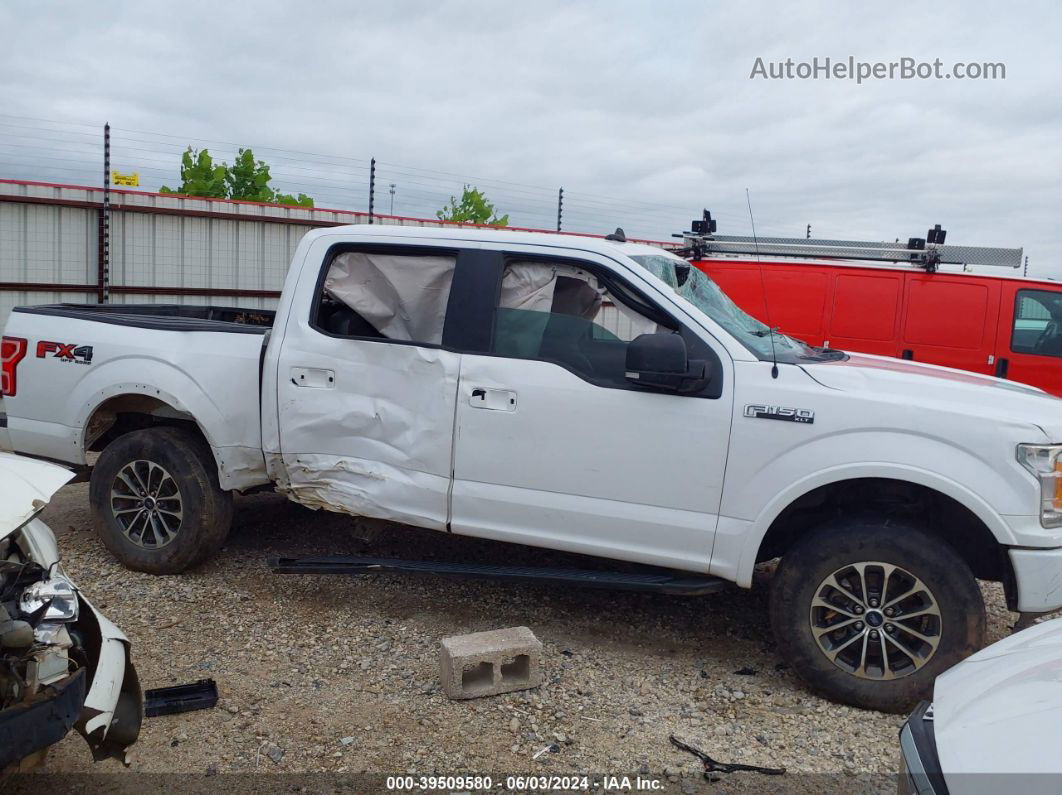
[{"x": 385, "y": 295}]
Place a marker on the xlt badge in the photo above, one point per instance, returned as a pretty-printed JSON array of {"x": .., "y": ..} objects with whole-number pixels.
[{"x": 762, "y": 412}]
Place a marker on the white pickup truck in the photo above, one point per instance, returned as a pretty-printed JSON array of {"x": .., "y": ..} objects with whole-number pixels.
[{"x": 588, "y": 395}]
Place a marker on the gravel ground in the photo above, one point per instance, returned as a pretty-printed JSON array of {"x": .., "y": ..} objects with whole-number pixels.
[{"x": 340, "y": 674}]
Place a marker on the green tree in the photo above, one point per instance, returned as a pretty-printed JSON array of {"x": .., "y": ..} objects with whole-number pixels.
[
  {"x": 473, "y": 208},
  {"x": 200, "y": 177},
  {"x": 246, "y": 179}
]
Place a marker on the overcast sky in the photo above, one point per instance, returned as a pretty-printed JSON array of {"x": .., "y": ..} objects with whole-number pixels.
[{"x": 645, "y": 113}]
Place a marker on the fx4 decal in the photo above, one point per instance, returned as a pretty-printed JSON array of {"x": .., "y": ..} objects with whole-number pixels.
[
  {"x": 67, "y": 352},
  {"x": 762, "y": 412}
]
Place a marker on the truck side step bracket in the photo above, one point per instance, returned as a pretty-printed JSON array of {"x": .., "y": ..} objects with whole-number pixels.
[{"x": 652, "y": 580}]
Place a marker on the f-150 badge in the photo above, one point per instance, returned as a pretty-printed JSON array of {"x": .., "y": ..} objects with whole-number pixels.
[{"x": 762, "y": 412}]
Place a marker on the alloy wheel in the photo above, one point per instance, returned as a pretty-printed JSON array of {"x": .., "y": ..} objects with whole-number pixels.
[
  {"x": 146, "y": 503},
  {"x": 875, "y": 620}
]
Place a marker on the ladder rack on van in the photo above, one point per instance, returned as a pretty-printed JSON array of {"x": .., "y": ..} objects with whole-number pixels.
[{"x": 927, "y": 253}]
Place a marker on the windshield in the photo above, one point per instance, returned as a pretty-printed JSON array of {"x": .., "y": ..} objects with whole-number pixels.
[{"x": 705, "y": 294}]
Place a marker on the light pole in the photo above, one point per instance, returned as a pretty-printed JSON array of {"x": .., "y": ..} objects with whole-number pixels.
[{"x": 392, "y": 191}]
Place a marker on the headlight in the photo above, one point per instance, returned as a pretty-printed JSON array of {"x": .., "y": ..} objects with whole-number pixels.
[
  {"x": 58, "y": 593},
  {"x": 1045, "y": 462}
]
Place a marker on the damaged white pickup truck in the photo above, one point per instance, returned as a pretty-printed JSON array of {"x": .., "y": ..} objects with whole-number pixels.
[{"x": 588, "y": 395}]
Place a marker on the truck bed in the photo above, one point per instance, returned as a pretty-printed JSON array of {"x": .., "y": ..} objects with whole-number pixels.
[
  {"x": 166, "y": 317},
  {"x": 85, "y": 364}
]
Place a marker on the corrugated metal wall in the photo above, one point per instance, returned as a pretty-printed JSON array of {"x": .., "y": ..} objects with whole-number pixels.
[
  {"x": 44, "y": 245},
  {"x": 159, "y": 246}
]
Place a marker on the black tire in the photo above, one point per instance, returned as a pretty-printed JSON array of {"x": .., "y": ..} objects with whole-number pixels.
[
  {"x": 857, "y": 677},
  {"x": 205, "y": 511}
]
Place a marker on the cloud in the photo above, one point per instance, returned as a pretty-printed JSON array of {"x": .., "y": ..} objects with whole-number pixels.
[{"x": 645, "y": 114}]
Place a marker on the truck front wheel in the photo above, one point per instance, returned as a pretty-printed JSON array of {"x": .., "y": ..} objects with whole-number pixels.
[
  {"x": 869, "y": 612},
  {"x": 156, "y": 501}
]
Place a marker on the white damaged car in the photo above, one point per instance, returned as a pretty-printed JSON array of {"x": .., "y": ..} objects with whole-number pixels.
[
  {"x": 63, "y": 665},
  {"x": 994, "y": 722}
]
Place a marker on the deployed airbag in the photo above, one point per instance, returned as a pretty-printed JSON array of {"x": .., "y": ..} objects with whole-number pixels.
[{"x": 404, "y": 297}]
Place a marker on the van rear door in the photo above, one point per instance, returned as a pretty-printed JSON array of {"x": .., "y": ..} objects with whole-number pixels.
[{"x": 951, "y": 320}]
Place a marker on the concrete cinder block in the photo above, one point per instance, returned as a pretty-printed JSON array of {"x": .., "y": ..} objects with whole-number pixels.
[{"x": 489, "y": 663}]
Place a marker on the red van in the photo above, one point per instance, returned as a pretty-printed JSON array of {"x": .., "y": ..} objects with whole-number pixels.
[{"x": 996, "y": 325}]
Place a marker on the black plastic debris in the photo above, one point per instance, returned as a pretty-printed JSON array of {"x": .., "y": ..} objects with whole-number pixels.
[
  {"x": 180, "y": 698},
  {"x": 711, "y": 766}
]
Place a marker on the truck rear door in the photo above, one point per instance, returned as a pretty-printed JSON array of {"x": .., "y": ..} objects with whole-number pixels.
[{"x": 365, "y": 386}]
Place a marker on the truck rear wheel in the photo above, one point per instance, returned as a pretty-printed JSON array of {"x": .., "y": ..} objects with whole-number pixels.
[
  {"x": 869, "y": 612},
  {"x": 156, "y": 501}
]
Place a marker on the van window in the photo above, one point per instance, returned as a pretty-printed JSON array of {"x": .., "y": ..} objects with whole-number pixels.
[
  {"x": 372, "y": 295},
  {"x": 560, "y": 313},
  {"x": 1037, "y": 323}
]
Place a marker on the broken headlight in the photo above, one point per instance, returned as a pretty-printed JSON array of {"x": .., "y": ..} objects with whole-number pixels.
[{"x": 57, "y": 595}]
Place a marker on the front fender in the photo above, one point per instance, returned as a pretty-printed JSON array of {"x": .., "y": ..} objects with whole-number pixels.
[{"x": 749, "y": 508}]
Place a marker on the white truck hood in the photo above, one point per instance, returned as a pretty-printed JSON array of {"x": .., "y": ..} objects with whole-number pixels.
[
  {"x": 998, "y": 712},
  {"x": 958, "y": 390},
  {"x": 26, "y": 485}
]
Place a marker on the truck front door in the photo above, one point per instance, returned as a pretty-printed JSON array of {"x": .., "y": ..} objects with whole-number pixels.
[{"x": 556, "y": 448}]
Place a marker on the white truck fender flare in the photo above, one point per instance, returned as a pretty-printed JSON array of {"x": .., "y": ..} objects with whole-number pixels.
[
  {"x": 132, "y": 388},
  {"x": 783, "y": 499}
]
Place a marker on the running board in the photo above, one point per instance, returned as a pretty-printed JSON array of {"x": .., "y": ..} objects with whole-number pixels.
[{"x": 654, "y": 580}]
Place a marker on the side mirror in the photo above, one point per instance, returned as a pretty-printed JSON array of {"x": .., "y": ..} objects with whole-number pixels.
[{"x": 660, "y": 361}]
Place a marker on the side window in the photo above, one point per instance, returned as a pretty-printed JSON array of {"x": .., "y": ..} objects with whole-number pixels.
[
  {"x": 387, "y": 296},
  {"x": 560, "y": 313},
  {"x": 1037, "y": 323}
]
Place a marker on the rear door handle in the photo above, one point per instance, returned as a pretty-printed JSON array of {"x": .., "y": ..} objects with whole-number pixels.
[
  {"x": 492, "y": 399},
  {"x": 313, "y": 378}
]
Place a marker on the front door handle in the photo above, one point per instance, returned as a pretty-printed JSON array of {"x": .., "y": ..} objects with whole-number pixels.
[{"x": 492, "y": 399}]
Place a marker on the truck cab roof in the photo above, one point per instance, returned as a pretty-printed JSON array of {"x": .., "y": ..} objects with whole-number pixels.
[{"x": 599, "y": 245}]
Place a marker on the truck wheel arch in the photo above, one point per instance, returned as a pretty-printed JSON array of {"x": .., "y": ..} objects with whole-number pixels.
[
  {"x": 127, "y": 411},
  {"x": 947, "y": 509}
]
